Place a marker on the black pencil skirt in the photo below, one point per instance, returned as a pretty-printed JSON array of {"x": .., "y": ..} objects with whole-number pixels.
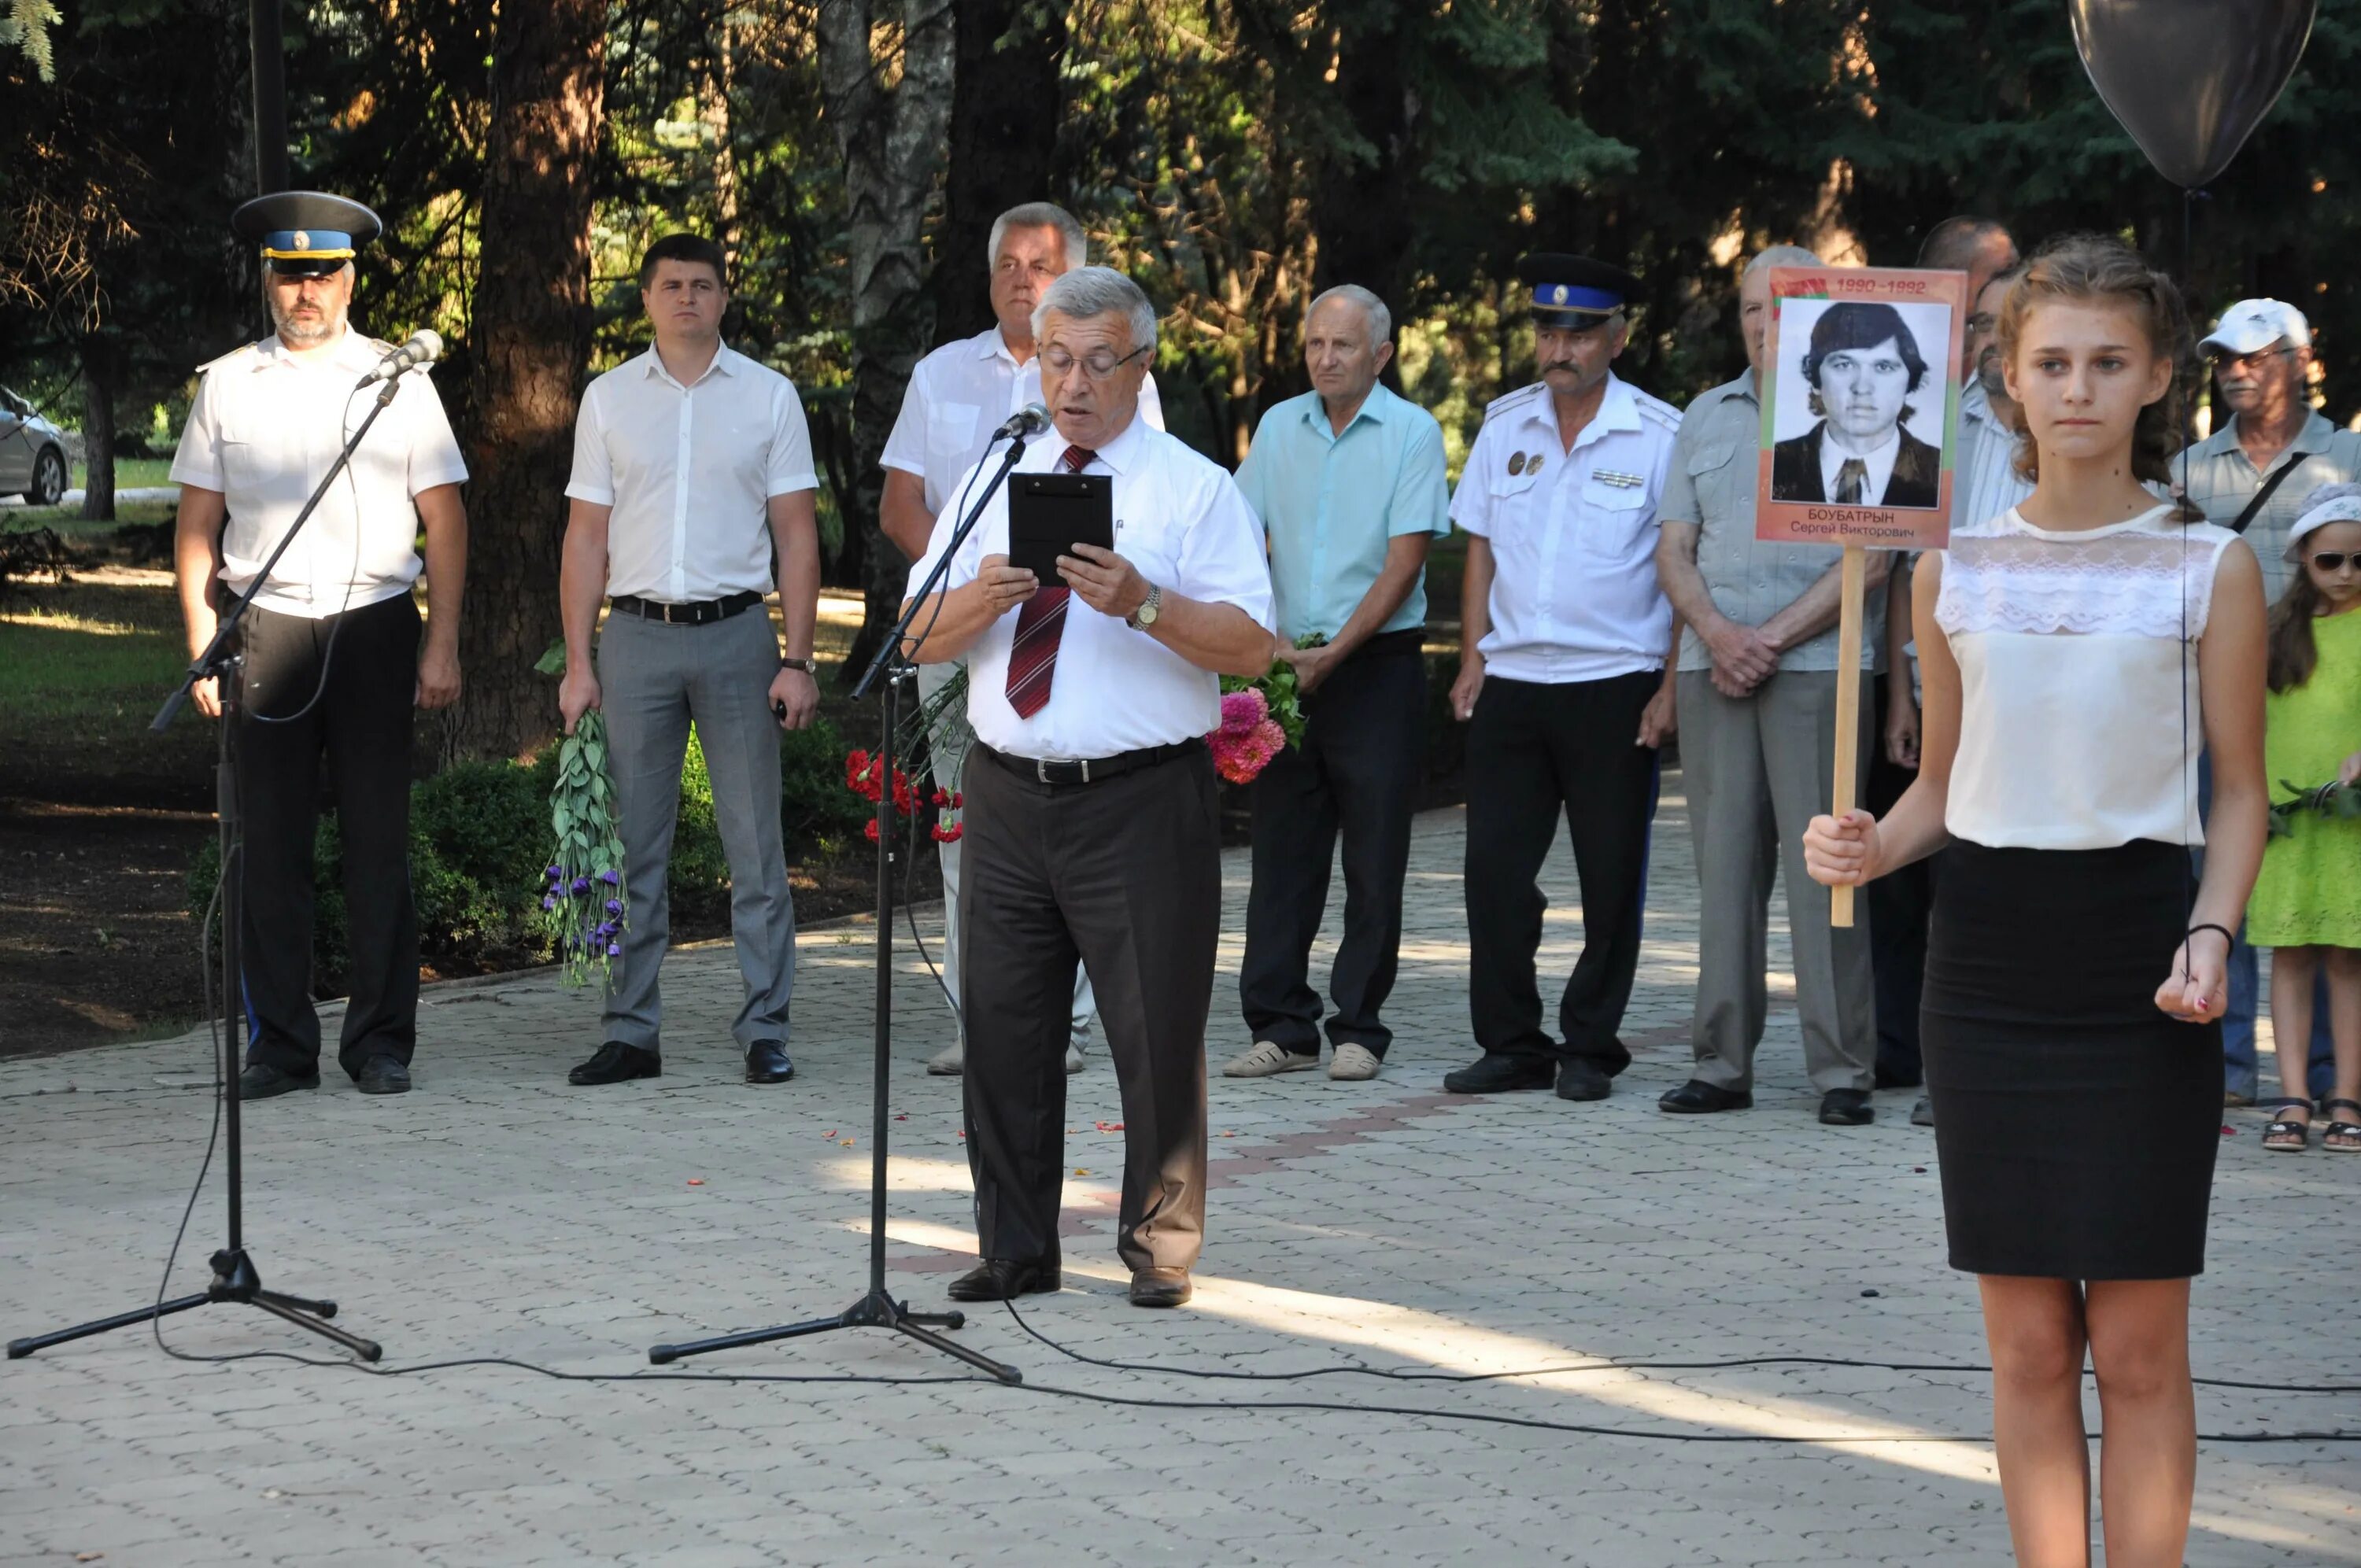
[{"x": 2076, "y": 1122}]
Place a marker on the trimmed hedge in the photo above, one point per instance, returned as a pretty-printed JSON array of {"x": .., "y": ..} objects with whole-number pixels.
[{"x": 479, "y": 835}]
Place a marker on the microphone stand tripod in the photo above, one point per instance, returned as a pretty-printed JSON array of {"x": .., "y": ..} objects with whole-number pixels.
[
  {"x": 877, "y": 1309},
  {"x": 235, "y": 1278}
]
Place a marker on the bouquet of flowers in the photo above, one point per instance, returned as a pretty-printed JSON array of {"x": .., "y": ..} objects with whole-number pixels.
[
  {"x": 941, "y": 723},
  {"x": 583, "y": 900},
  {"x": 1260, "y": 717},
  {"x": 2334, "y": 801}
]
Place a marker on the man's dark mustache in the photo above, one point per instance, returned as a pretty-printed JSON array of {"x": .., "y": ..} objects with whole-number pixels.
[{"x": 1560, "y": 364}]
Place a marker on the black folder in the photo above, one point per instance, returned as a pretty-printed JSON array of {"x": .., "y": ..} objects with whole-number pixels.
[{"x": 1049, "y": 514}]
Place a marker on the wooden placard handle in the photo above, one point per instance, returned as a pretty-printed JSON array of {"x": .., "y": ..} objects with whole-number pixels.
[{"x": 1856, "y": 566}]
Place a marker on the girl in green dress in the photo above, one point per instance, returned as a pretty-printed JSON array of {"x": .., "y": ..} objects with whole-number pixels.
[{"x": 2307, "y": 901}]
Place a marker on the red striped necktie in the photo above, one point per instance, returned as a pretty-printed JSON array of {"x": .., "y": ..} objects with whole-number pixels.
[{"x": 1033, "y": 656}]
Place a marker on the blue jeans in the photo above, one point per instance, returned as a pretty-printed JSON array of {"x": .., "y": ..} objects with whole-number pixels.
[{"x": 2244, "y": 1006}]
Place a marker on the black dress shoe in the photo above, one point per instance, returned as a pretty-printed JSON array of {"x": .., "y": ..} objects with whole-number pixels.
[
  {"x": 1698, "y": 1098},
  {"x": 1578, "y": 1077},
  {"x": 1847, "y": 1108},
  {"x": 766, "y": 1062},
  {"x": 616, "y": 1063},
  {"x": 383, "y": 1074},
  {"x": 1161, "y": 1286},
  {"x": 262, "y": 1081},
  {"x": 999, "y": 1279},
  {"x": 1493, "y": 1074}
]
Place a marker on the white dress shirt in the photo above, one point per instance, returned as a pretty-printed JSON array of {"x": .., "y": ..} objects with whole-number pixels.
[
  {"x": 689, "y": 471},
  {"x": 1179, "y": 520},
  {"x": 1575, "y": 595},
  {"x": 957, "y": 396},
  {"x": 1877, "y": 466},
  {"x": 263, "y": 430},
  {"x": 1984, "y": 481}
]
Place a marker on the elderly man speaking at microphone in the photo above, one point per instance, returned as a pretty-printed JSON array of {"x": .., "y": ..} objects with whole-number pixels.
[{"x": 1092, "y": 827}]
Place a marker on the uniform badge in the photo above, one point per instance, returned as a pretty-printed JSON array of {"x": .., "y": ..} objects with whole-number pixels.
[
  {"x": 1516, "y": 465},
  {"x": 1619, "y": 480},
  {"x": 1535, "y": 465},
  {"x": 303, "y": 241}
]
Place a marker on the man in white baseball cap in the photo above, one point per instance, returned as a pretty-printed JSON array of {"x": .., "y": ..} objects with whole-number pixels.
[{"x": 2256, "y": 475}]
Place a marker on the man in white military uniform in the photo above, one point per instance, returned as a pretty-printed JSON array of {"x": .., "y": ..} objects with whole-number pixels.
[
  {"x": 1566, "y": 639},
  {"x": 334, "y": 659},
  {"x": 957, "y": 397}
]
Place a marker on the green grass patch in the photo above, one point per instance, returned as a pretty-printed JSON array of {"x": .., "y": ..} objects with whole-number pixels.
[{"x": 131, "y": 473}]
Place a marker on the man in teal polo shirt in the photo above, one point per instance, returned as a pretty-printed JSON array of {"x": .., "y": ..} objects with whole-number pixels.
[{"x": 1348, "y": 480}]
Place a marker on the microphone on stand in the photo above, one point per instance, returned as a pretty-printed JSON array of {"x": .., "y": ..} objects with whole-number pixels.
[
  {"x": 424, "y": 347},
  {"x": 1030, "y": 419}
]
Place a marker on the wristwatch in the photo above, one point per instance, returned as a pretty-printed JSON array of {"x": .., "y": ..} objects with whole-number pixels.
[
  {"x": 808, "y": 666},
  {"x": 1143, "y": 617}
]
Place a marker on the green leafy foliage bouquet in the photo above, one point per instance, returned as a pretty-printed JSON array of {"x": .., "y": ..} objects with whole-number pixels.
[{"x": 584, "y": 904}]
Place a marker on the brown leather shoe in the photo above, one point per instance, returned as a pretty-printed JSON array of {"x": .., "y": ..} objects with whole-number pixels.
[{"x": 1161, "y": 1286}]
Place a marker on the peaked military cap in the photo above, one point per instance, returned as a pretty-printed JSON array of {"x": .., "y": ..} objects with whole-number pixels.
[
  {"x": 1573, "y": 290},
  {"x": 305, "y": 233}
]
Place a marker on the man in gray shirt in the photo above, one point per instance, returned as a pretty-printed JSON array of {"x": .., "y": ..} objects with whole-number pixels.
[
  {"x": 1758, "y": 696},
  {"x": 2261, "y": 356}
]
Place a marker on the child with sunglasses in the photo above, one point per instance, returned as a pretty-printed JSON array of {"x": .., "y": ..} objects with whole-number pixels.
[{"x": 2307, "y": 901}]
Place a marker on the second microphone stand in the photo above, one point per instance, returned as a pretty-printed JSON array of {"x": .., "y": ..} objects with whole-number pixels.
[{"x": 877, "y": 1309}]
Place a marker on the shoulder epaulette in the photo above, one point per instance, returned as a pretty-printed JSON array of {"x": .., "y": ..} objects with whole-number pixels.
[
  {"x": 242, "y": 348},
  {"x": 1656, "y": 411},
  {"x": 1515, "y": 400}
]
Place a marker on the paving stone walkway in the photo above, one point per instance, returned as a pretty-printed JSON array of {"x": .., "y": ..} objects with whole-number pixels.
[{"x": 497, "y": 1213}]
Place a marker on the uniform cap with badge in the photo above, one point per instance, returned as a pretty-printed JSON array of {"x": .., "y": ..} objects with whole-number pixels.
[
  {"x": 305, "y": 234},
  {"x": 1574, "y": 293}
]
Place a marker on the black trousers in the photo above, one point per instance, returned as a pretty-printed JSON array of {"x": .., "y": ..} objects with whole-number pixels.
[
  {"x": 1899, "y": 905},
  {"x": 362, "y": 722},
  {"x": 1357, "y": 770},
  {"x": 1126, "y": 876},
  {"x": 1535, "y": 751}
]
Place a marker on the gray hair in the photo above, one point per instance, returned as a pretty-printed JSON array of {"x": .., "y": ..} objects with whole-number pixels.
[
  {"x": 1088, "y": 291},
  {"x": 1071, "y": 241},
  {"x": 1381, "y": 321},
  {"x": 1780, "y": 256}
]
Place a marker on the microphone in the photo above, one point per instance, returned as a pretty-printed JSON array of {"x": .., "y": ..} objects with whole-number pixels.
[
  {"x": 1030, "y": 419},
  {"x": 424, "y": 348}
]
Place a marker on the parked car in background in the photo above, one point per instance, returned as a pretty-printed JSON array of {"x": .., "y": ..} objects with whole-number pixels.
[{"x": 32, "y": 453}]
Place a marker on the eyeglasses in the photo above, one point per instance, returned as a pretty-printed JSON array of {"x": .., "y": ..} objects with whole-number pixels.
[
  {"x": 1101, "y": 365},
  {"x": 2333, "y": 560},
  {"x": 1983, "y": 322},
  {"x": 2254, "y": 361}
]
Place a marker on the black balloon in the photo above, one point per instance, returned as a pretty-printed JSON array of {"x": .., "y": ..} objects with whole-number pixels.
[{"x": 2191, "y": 79}]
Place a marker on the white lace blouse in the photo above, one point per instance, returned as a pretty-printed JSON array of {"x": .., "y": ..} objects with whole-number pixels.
[{"x": 2080, "y": 723}]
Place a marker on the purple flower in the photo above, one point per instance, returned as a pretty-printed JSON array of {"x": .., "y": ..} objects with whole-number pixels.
[
  {"x": 614, "y": 906},
  {"x": 582, "y": 885},
  {"x": 554, "y": 873},
  {"x": 549, "y": 900},
  {"x": 610, "y": 878},
  {"x": 613, "y": 952}
]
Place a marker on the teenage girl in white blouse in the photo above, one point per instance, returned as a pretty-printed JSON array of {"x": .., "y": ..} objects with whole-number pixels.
[{"x": 2090, "y": 644}]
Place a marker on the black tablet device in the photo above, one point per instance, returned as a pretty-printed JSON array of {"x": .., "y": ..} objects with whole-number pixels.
[{"x": 1049, "y": 514}]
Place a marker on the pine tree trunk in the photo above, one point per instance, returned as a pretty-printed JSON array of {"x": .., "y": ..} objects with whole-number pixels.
[
  {"x": 98, "y": 388},
  {"x": 1005, "y": 101},
  {"x": 532, "y": 344},
  {"x": 891, "y": 139}
]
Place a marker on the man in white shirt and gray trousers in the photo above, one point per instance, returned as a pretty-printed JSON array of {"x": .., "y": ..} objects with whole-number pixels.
[
  {"x": 693, "y": 493},
  {"x": 1092, "y": 826},
  {"x": 958, "y": 396}
]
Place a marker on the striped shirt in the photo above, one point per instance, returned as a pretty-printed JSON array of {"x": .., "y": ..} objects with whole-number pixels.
[{"x": 1984, "y": 480}]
